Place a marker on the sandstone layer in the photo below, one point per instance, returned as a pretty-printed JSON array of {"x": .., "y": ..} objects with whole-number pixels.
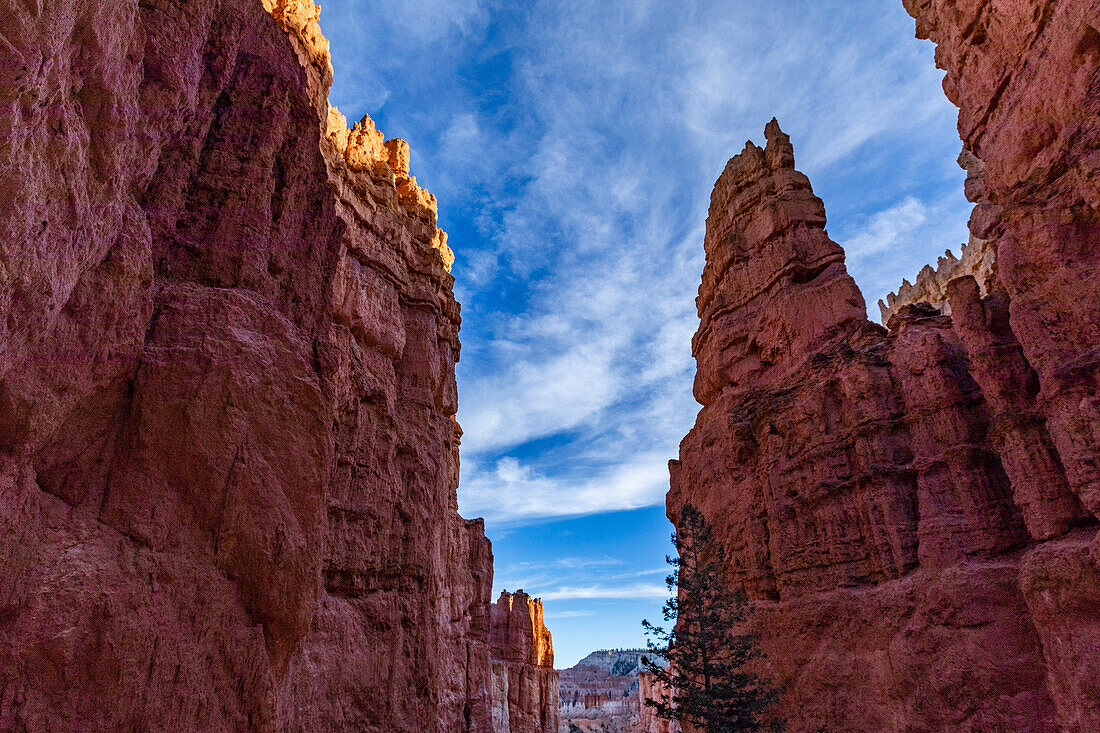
[
  {"x": 912, "y": 511},
  {"x": 228, "y": 453},
  {"x": 524, "y": 681}
]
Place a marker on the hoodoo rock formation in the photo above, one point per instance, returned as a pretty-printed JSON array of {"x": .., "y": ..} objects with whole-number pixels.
[
  {"x": 977, "y": 259},
  {"x": 228, "y": 454},
  {"x": 524, "y": 681},
  {"x": 913, "y": 511}
]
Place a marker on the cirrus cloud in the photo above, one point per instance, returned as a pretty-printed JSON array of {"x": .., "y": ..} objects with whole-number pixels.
[{"x": 573, "y": 146}]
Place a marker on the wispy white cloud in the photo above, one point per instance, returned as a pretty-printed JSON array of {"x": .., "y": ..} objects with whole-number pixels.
[
  {"x": 906, "y": 236},
  {"x": 632, "y": 591},
  {"x": 639, "y": 574},
  {"x": 568, "y": 614},
  {"x": 568, "y": 563},
  {"x": 885, "y": 230},
  {"x": 514, "y": 491},
  {"x": 573, "y": 146}
]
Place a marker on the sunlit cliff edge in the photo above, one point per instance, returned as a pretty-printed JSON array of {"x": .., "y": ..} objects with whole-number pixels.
[{"x": 228, "y": 448}]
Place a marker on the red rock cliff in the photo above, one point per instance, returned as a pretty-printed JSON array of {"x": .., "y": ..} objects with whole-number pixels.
[
  {"x": 525, "y": 683},
  {"x": 228, "y": 455},
  {"x": 912, "y": 511}
]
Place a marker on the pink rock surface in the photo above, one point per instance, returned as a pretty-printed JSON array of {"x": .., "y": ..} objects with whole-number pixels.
[
  {"x": 1026, "y": 78},
  {"x": 228, "y": 453},
  {"x": 525, "y": 683},
  {"x": 912, "y": 511},
  {"x": 648, "y": 722}
]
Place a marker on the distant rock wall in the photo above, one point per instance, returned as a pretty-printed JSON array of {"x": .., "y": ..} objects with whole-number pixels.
[
  {"x": 524, "y": 681},
  {"x": 228, "y": 453},
  {"x": 977, "y": 259},
  {"x": 913, "y": 512},
  {"x": 599, "y": 693}
]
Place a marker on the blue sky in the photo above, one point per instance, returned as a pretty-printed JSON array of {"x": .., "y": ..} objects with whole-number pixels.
[{"x": 572, "y": 147}]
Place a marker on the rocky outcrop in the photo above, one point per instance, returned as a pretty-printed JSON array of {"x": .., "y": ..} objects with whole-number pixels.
[
  {"x": 1025, "y": 79},
  {"x": 228, "y": 453},
  {"x": 524, "y": 681},
  {"x": 977, "y": 260},
  {"x": 912, "y": 511}
]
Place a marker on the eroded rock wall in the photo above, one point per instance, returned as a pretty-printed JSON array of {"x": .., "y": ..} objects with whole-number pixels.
[
  {"x": 912, "y": 511},
  {"x": 525, "y": 683},
  {"x": 228, "y": 456},
  {"x": 1026, "y": 79},
  {"x": 649, "y": 688},
  {"x": 600, "y": 691}
]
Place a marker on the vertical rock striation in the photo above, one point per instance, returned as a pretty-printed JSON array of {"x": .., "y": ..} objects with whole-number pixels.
[
  {"x": 650, "y": 688},
  {"x": 228, "y": 453},
  {"x": 524, "y": 681},
  {"x": 1025, "y": 78},
  {"x": 912, "y": 511}
]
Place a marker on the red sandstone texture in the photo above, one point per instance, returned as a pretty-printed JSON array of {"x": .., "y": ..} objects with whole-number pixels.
[
  {"x": 228, "y": 455},
  {"x": 912, "y": 511},
  {"x": 524, "y": 681}
]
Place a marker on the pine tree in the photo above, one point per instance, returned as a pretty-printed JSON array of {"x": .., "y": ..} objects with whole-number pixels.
[{"x": 707, "y": 655}]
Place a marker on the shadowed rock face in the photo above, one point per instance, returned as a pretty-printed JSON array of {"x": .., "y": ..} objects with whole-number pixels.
[
  {"x": 913, "y": 510},
  {"x": 227, "y": 447},
  {"x": 1025, "y": 77},
  {"x": 525, "y": 683}
]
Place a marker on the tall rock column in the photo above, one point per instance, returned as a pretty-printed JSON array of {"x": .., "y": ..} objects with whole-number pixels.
[
  {"x": 787, "y": 358},
  {"x": 1018, "y": 432},
  {"x": 525, "y": 683},
  {"x": 649, "y": 688},
  {"x": 877, "y": 503},
  {"x": 400, "y": 638}
]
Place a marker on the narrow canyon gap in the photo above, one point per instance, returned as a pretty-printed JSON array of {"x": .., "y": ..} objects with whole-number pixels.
[{"x": 228, "y": 452}]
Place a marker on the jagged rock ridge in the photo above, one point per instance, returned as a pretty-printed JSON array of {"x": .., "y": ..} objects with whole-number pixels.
[
  {"x": 913, "y": 512},
  {"x": 228, "y": 453},
  {"x": 977, "y": 258}
]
